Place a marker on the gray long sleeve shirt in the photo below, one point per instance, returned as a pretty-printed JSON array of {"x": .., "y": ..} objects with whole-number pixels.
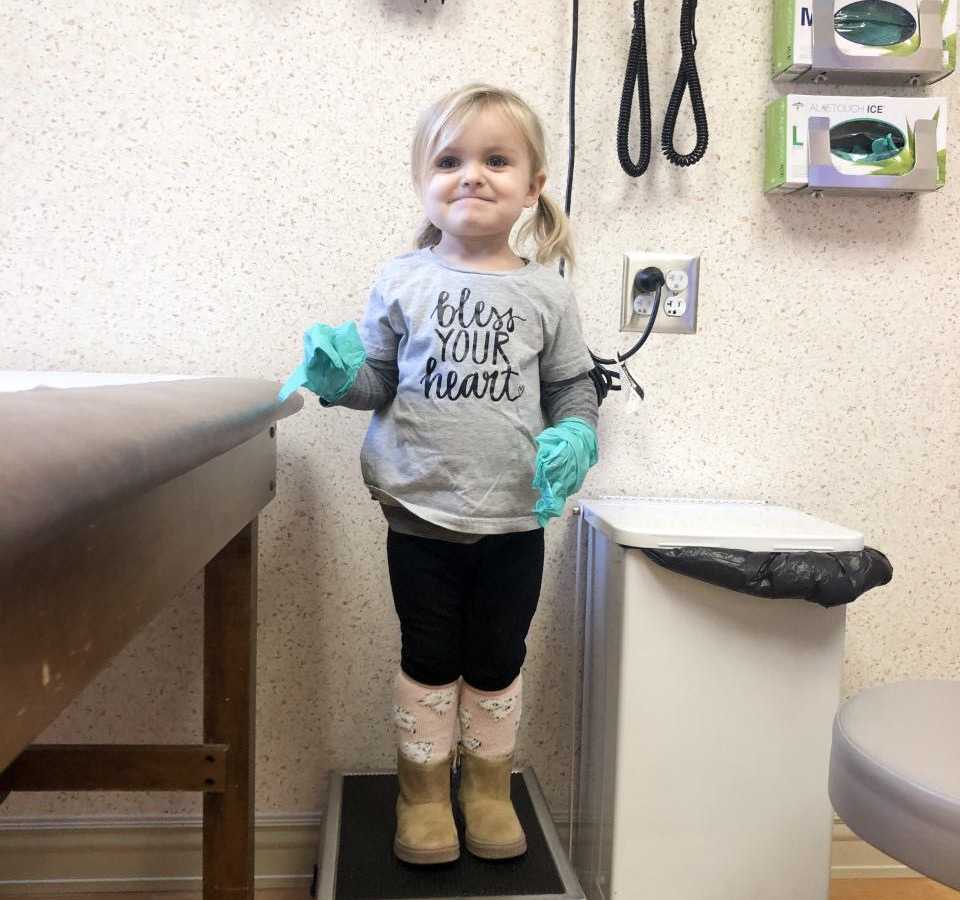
[{"x": 460, "y": 389}]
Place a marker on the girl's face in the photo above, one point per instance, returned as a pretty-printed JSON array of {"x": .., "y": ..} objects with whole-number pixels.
[{"x": 479, "y": 185}]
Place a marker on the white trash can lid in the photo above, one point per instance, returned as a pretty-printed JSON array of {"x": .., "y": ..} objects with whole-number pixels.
[{"x": 660, "y": 523}]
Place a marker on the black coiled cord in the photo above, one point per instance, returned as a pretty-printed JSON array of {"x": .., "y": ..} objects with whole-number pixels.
[
  {"x": 636, "y": 74},
  {"x": 687, "y": 77}
]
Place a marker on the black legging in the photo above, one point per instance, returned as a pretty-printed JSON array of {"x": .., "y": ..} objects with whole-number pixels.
[{"x": 465, "y": 609}]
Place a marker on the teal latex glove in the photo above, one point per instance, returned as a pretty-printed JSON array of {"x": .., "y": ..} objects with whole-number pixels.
[
  {"x": 565, "y": 452},
  {"x": 874, "y": 24},
  {"x": 880, "y": 149},
  {"x": 331, "y": 359}
]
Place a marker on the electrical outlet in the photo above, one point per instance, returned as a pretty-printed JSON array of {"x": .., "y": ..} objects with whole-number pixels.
[{"x": 678, "y": 297}]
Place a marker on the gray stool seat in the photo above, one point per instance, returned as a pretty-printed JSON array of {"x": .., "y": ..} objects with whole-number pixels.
[{"x": 895, "y": 773}]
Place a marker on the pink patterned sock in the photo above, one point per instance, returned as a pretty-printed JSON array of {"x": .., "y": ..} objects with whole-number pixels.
[
  {"x": 489, "y": 719},
  {"x": 425, "y": 718}
]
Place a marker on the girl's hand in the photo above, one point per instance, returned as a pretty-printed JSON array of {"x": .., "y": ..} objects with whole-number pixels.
[
  {"x": 564, "y": 454},
  {"x": 331, "y": 359}
]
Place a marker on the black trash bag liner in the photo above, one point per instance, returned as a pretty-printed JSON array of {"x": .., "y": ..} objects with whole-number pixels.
[{"x": 826, "y": 578}]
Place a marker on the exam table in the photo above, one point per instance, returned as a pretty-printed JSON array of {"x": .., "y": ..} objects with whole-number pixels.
[{"x": 112, "y": 497}]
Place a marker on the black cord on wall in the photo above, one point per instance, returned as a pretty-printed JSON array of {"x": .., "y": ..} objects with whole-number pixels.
[{"x": 605, "y": 379}]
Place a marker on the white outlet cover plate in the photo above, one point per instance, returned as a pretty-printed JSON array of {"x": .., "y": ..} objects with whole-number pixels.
[{"x": 668, "y": 263}]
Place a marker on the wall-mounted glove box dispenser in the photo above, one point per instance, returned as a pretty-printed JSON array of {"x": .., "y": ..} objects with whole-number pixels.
[
  {"x": 905, "y": 42},
  {"x": 855, "y": 145}
]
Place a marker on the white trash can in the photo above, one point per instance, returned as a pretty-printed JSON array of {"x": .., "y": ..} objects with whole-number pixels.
[{"x": 706, "y": 713}]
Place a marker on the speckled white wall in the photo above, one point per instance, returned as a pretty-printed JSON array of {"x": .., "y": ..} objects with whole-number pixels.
[{"x": 187, "y": 186}]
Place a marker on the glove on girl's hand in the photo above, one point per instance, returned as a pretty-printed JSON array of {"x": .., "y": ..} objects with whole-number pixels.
[
  {"x": 565, "y": 452},
  {"x": 331, "y": 359}
]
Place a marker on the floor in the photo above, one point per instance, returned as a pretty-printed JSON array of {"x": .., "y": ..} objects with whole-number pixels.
[
  {"x": 889, "y": 889},
  {"x": 265, "y": 894},
  {"x": 844, "y": 889}
]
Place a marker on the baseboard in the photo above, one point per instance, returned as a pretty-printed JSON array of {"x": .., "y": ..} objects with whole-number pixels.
[
  {"x": 851, "y": 857},
  {"x": 126, "y": 854}
]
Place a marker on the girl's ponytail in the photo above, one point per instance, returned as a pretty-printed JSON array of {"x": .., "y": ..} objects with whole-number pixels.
[
  {"x": 428, "y": 235},
  {"x": 550, "y": 229}
]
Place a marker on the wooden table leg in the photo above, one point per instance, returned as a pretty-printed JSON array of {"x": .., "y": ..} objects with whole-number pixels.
[{"x": 229, "y": 702}]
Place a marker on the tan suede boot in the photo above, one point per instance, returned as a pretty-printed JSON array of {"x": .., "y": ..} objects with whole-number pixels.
[
  {"x": 493, "y": 829},
  {"x": 426, "y": 832}
]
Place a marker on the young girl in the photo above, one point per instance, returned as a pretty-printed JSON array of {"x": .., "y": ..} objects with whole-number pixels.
[{"x": 465, "y": 353}]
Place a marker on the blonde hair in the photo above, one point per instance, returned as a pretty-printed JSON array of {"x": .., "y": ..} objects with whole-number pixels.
[{"x": 441, "y": 122}]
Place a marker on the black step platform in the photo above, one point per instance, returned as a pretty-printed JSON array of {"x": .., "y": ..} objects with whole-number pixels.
[{"x": 356, "y": 860}]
